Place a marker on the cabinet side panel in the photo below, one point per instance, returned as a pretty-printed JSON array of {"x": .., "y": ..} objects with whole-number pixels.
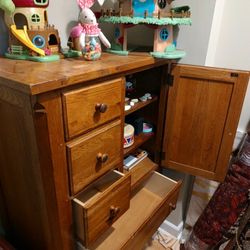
[
  {"x": 20, "y": 174},
  {"x": 55, "y": 149}
]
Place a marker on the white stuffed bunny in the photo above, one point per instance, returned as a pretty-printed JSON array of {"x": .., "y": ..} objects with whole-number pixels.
[{"x": 87, "y": 31}]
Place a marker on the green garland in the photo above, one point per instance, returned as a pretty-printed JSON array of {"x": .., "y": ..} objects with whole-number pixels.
[{"x": 148, "y": 20}]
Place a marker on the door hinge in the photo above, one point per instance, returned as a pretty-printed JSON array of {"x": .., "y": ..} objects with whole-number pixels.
[
  {"x": 234, "y": 74},
  {"x": 162, "y": 156},
  {"x": 39, "y": 109},
  {"x": 170, "y": 79}
]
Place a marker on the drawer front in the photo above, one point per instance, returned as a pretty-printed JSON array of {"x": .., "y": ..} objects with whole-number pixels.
[
  {"x": 102, "y": 214},
  {"x": 91, "y": 106},
  {"x": 94, "y": 154},
  {"x": 98, "y": 215},
  {"x": 150, "y": 204},
  {"x": 142, "y": 236}
]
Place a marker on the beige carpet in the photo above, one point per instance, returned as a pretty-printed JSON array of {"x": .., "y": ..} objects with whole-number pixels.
[{"x": 162, "y": 241}]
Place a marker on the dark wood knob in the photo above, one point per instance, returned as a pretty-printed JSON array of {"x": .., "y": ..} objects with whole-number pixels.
[
  {"x": 114, "y": 212},
  {"x": 172, "y": 206},
  {"x": 102, "y": 157},
  {"x": 101, "y": 107}
]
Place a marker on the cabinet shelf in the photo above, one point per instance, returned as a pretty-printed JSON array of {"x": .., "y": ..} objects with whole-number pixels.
[
  {"x": 140, "y": 105},
  {"x": 138, "y": 141}
]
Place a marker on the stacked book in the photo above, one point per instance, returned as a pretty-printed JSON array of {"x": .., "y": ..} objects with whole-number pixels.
[{"x": 133, "y": 159}]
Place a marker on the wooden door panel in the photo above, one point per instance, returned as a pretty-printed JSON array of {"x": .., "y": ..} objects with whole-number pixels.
[{"x": 203, "y": 109}]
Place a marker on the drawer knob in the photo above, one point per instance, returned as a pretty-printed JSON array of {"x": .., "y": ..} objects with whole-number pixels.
[
  {"x": 102, "y": 157},
  {"x": 172, "y": 206},
  {"x": 101, "y": 107},
  {"x": 113, "y": 212}
]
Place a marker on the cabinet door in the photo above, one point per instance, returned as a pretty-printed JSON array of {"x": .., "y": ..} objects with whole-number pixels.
[{"x": 202, "y": 115}]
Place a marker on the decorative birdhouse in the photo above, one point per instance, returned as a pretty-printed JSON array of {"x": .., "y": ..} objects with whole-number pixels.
[
  {"x": 155, "y": 14},
  {"x": 31, "y": 37}
]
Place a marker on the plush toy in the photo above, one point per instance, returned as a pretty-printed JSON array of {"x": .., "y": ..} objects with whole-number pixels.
[{"x": 87, "y": 32}]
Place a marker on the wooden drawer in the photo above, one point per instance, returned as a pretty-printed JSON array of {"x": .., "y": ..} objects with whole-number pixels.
[
  {"x": 93, "y": 154},
  {"x": 91, "y": 106},
  {"x": 102, "y": 203},
  {"x": 150, "y": 204}
]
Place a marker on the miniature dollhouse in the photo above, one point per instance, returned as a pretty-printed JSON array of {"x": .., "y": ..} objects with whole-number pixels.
[
  {"x": 155, "y": 14},
  {"x": 31, "y": 37}
]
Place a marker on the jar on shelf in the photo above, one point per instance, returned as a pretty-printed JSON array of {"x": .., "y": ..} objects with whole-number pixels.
[{"x": 92, "y": 49}]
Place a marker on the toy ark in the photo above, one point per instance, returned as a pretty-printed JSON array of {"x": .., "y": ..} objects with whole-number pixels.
[{"x": 155, "y": 14}]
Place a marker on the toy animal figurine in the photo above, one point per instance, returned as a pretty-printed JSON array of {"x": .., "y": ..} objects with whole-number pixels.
[{"x": 86, "y": 34}]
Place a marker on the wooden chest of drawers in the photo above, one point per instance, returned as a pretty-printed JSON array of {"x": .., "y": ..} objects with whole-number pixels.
[{"x": 61, "y": 147}]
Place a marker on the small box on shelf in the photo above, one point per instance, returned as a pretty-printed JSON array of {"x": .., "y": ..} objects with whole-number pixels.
[
  {"x": 140, "y": 169},
  {"x": 131, "y": 160}
]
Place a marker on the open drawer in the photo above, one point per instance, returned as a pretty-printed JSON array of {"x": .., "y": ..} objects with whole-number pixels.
[
  {"x": 150, "y": 204},
  {"x": 98, "y": 206}
]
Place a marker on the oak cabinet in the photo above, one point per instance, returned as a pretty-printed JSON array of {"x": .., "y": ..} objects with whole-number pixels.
[{"x": 61, "y": 146}]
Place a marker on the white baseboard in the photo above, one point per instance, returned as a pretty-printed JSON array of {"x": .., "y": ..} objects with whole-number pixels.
[{"x": 172, "y": 229}]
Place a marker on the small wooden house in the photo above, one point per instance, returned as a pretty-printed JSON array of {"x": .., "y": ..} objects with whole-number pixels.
[
  {"x": 31, "y": 36},
  {"x": 155, "y": 14}
]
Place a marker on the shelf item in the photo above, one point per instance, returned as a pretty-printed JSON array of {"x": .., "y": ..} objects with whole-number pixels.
[
  {"x": 140, "y": 105},
  {"x": 98, "y": 206},
  {"x": 128, "y": 135},
  {"x": 133, "y": 159},
  {"x": 147, "y": 128},
  {"x": 151, "y": 203},
  {"x": 138, "y": 141},
  {"x": 141, "y": 171}
]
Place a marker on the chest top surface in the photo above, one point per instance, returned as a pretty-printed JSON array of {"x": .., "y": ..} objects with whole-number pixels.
[{"x": 36, "y": 78}]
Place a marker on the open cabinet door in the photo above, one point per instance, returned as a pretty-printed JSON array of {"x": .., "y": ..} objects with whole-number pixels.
[{"x": 202, "y": 115}]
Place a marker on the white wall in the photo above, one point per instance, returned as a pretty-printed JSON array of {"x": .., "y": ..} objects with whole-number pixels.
[
  {"x": 64, "y": 15},
  {"x": 194, "y": 39},
  {"x": 229, "y": 47}
]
